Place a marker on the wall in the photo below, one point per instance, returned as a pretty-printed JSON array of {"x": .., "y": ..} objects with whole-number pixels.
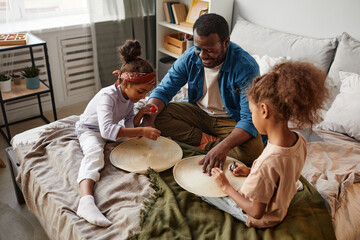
[{"x": 319, "y": 18}]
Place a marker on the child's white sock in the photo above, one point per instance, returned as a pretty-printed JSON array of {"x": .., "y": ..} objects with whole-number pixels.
[{"x": 90, "y": 212}]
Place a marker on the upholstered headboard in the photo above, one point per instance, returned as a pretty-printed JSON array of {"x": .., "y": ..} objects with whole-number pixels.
[{"x": 319, "y": 19}]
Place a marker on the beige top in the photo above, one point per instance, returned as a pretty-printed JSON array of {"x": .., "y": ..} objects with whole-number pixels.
[
  {"x": 272, "y": 180},
  {"x": 211, "y": 101}
]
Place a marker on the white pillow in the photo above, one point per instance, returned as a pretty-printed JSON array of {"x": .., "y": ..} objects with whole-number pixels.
[
  {"x": 266, "y": 62},
  {"x": 344, "y": 113},
  {"x": 346, "y": 59}
]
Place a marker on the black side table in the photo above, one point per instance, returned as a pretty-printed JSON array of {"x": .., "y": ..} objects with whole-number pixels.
[{"x": 21, "y": 92}]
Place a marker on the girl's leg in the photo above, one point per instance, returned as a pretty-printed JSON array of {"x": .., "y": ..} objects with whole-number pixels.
[
  {"x": 86, "y": 187},
  {"x": 228, "y": 205},
  {"x": 92, "y": 146}
]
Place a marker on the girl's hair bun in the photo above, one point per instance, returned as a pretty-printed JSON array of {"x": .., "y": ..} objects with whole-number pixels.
[{"x": 130, "y": 50}]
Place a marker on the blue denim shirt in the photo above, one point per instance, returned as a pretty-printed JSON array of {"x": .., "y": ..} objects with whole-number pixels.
[{"x": 235, "y": 75}]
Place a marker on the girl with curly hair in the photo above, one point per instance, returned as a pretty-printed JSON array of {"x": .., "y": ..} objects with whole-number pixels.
[
  {"x": 292, "y": 91},
  {"x": 100, "y": 122}
]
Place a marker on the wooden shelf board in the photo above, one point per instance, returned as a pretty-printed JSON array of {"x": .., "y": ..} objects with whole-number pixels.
[
  {"x": 176, "y": 27},
  {"x": 21, "y": 90},
  {"x": 163, "y": 50}
]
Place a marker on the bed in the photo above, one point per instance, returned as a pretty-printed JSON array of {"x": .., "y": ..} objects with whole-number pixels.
[{"x": 153, "y": 206}]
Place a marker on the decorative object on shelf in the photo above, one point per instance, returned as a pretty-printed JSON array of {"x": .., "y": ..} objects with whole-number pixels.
[
  {"x": 16, "y": 78},
  {"x": 176, "y": 43},
  {"x": 197, "y": 8},
  {"x": 13, "y": 39},
  {"x": 5, "y": 83},
  {"x": 31, "y": 75}
]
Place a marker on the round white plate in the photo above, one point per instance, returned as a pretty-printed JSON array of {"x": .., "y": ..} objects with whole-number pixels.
[
  {"x": 138, "y": 154},
  {"x": 188, "y": 174}
]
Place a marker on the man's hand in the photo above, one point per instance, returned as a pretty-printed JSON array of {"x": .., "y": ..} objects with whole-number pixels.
[
  {"x": 217, "y": 156},
  {"x": 148, "y": 109},
  {"x": 149, "y": 119},
  {"x": 214, "y": 158}
]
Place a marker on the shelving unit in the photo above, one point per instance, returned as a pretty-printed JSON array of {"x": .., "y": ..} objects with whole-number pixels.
[
  {"x": 21, "y": 92},
  {"x": 223, "y": 8}
]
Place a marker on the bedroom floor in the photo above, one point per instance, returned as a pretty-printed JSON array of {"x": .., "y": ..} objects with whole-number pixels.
[{"x": 16, "y": 221}]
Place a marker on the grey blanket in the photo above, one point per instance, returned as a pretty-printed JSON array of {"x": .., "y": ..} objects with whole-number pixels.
[{"x": 48, "y": 172}]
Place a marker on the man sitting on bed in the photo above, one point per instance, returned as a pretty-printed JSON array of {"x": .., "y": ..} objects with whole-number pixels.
[{"x": 217, "y": 72}]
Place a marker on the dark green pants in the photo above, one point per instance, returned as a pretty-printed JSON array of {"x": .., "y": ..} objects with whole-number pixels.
[{"x": 185, "y": 122}]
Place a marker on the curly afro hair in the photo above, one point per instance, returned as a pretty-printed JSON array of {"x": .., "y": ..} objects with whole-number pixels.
[{"x": 296, "y": 90}]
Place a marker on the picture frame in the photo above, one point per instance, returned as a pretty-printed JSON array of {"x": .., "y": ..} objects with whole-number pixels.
[{"x": 198, "y": 7}]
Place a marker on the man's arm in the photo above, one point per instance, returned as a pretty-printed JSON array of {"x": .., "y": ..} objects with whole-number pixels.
[
  {"x": 149, "y": 119},
  {"x": 217, "y": 155}
]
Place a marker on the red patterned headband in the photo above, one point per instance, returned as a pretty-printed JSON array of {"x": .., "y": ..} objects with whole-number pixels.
[{"x": 135, "y": 77}]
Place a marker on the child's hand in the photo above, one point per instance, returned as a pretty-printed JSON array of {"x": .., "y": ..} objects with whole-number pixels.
[
  {"x": 151, "y": 133},
  {"x": 240, "y": 170},
  {"x": 220, "y": 178}
]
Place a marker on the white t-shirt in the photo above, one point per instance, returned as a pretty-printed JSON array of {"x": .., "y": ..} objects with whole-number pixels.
[
  {"x": 104, "y": 112},
  {"x": 272, "y": 180},
  {"x": 211, "y": 101}
]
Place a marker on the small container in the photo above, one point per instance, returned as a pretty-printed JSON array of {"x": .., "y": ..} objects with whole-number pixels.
[
  {"x": 175, "y": 43},
  {"x": 16, "y": 79},
  {"x": 32, "y": 83},
  {"x": 5, "y": 86},
  {"x": 189, "y": 43}
]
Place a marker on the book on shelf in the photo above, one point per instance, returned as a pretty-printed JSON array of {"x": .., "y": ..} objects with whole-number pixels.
[
  {"x": 166, "y": 12},
  {"x": 172, "y": 18},
  {"x": 169, "y": 15},
  {"x": 179, "y": 12}
]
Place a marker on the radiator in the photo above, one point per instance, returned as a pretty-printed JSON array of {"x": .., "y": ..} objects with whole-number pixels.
[{"x": 78, "y": 65}]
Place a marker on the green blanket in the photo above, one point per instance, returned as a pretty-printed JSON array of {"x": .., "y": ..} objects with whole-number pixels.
[{"x": 174, "y": 213}]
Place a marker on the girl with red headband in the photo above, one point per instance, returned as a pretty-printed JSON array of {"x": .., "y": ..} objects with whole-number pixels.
[{"x": 100, "y": 122}]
